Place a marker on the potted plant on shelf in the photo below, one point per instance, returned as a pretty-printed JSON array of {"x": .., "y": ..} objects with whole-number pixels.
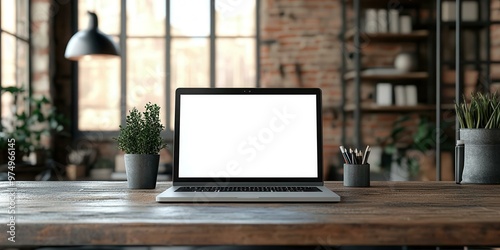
[
  {"x": 141, "y": 141},
  {"x": 479, "y": 121},
  {"x": 101, "y": 170},
  {"x": 78, "y": 162}
]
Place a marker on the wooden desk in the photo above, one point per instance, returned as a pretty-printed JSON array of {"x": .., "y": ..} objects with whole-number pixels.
[{"x": 387, "y": 213}]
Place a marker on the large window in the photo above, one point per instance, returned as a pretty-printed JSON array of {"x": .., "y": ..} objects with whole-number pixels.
[
  {"x": 164, "y": 45},
  {"x": 14, "y": 53}
]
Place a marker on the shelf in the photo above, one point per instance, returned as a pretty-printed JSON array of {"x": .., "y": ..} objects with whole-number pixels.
[
  {"x": 391, "y": 4},
  {"x": 385, "y": 77},
  {"x": 469, "y": 62},
  {"x": 470, "y": 24},
  {"x": 359, "y": 77},
  {"x": 389, "y": 37},
  {"x": 448, "y": 106},
  {"x": 393, "y": 108}
]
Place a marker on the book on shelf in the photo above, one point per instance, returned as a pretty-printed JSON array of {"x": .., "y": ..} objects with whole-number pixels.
[
  {"x": 393, "y": 21},
  {"x": 382, "y": 21},
  {"x": 469, "y": 11},
  {"x": 371, "y": 23},
  {"x": 411, "y": 95},
  {"x": 405, "y": 95},
  {"x": 399, "y": 95},
  {"x": 405, "y": 24},
  {"x": 383, "y": 94}
]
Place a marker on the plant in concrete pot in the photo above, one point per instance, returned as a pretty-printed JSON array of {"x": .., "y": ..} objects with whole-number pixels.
[
  {"x": 141, "y": 141},
  {"x": 479, "y": 121}
]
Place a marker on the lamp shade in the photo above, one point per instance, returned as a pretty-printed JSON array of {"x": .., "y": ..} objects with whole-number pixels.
[{"x": 90, "y": 42}]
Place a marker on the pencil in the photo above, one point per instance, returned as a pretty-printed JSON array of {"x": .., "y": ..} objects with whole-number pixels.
[
  {"x": 346, "y": 160},
  {"x": 366, "y": 154},
  {"x": 353, "y": 156}
]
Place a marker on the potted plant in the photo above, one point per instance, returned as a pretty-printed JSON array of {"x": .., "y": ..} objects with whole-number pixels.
[
  {"x": 479, "y": 121},
  {"x": 140, "y": 139},
  {"x": 79, "y": 160},
  {"x": 423, "y": 149},
  {"x": 394, "y": 157},
  {"x": 30, "y": 123},
  {"x": 410, "y": 155}
]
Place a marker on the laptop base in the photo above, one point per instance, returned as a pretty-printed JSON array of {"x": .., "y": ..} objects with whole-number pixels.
[{"x": 169, "y": 195}]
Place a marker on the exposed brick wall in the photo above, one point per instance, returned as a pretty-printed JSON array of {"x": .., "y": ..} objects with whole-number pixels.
[
  {"x": 40, "y": 23},
  {"x": 45, "y": 39},
  {"x": 300, "y": 48},
  {"x": 495, "y": 46},
  {"x": 40, "y": 47}
]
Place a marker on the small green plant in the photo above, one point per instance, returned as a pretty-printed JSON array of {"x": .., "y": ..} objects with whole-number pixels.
[
  {"x": 27, "y": 125},
  {"x": 483, "y": 111},
  {"x": 141, "y": 133}
]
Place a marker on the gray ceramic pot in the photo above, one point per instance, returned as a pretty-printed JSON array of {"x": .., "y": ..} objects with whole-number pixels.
[
  {"x": 142, "y": 170},
  {"x": 481, "y": 156}
]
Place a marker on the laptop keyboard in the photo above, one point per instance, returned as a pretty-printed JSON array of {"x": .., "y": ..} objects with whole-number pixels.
[{"x": 248, "y": 189}]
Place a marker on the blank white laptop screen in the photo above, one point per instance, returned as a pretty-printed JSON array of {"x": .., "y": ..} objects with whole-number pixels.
[{"x": 247, "y": 136}]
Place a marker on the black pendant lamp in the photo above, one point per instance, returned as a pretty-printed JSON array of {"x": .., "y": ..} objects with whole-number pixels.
[{"x": 90, "y": 42}]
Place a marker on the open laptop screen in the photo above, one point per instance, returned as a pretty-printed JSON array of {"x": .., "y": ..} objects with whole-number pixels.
[{"x": 251, "y": 133}]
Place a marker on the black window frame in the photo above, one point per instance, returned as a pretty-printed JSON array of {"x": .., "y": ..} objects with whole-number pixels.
[{"x": 168, "y": 133}]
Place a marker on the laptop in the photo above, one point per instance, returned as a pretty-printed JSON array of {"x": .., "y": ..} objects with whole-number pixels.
[{"x": 247, "y": 145}]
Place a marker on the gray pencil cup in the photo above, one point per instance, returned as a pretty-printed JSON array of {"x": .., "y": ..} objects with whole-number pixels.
[{"x": 357, "y": 175}]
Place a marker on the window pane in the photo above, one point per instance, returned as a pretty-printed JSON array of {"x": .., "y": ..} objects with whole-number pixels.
[
  {"x": 8, "y": 60},
  {"x": 235, "y": 18},
  {"x": 189, "y": 65},
  {"x": 22, "y": 74},
  {"x": 146, "y": 17},
  {"x": 9, "y": 16},
  {"x": 7, "y": 105},
  {"x": 14, "y": 73},
  {"x": 190, "y": 17},
  {"x": 99, "y": 94},
  {"x": 15, "y": 17},
  {"x": 235, "y": 63},
  {"x": 22, "y": 18},
  {"x": 108, "y": 15},
  {"x": 146, "y": 74},
  {"x": 8, "y": 75}
]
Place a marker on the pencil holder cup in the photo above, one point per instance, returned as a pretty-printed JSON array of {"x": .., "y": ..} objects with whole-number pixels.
[{"x": 357, "y": 175}]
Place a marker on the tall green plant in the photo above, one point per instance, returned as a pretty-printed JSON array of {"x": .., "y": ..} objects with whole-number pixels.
[
  {"x": 141, "y": 133},
  {"x": 483, "y": 111}
]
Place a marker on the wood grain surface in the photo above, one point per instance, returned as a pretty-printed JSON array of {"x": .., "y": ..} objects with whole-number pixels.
[{"x": 387, "y": 213}]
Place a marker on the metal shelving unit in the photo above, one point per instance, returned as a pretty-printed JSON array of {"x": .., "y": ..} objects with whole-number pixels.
[
  {"x": 357, "y": 77},
  {"x": 434, "y": 32}
]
